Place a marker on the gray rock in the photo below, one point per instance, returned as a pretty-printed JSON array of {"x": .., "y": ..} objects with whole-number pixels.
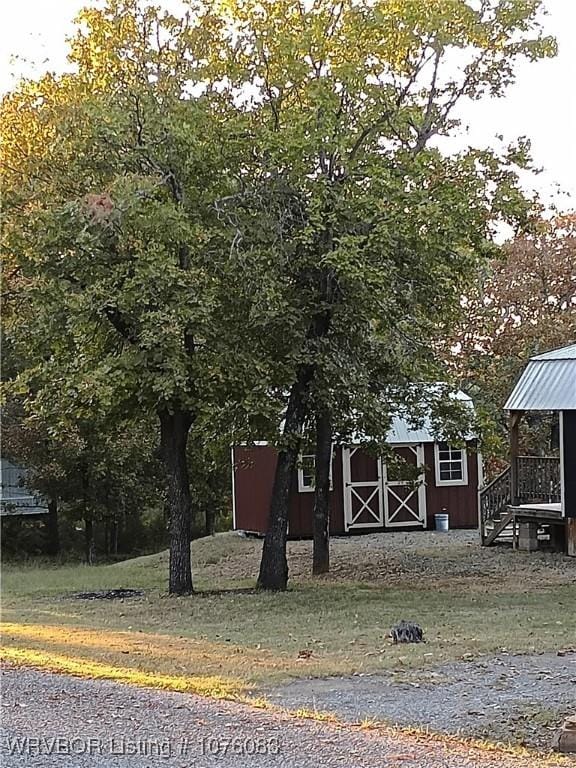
[{"x": 407, "y": 632}]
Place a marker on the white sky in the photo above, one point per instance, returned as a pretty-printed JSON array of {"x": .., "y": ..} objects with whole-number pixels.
[{"x": 540, "y": 105}]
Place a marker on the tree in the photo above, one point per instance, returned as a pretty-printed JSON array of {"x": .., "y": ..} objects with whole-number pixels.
[
  {"x": 520, "y": 304},
  {"x": 321, "y": 526},
  {"x": 94, "y": 473},
  {"x": 111, "y": 176},
  {"x": 209, "y": 459},
  {"x": 205, "y": 214},
  {"x": 369, "y": 228}
]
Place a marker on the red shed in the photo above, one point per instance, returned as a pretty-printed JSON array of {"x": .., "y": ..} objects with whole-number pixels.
[{"x": 368, "y": 494}]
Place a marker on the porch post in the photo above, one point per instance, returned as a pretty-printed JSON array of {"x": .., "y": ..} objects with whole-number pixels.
[
  {"x": 571, "y": 536},
  {"x": 514, "y": 431},
  {"x": 568, "y": 476}
]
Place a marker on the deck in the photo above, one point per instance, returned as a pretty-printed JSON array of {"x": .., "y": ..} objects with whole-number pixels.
[
  {"x": 548, "y": 512},
  {"x": 536, "y": 520},
  {"x": 536, "y": 499}
]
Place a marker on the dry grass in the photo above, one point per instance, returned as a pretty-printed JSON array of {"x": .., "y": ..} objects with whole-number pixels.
[
  {"x": 469, "y": 601},
  {"x": 214, "y": 687},
  {"x": 391, "y": 559}
]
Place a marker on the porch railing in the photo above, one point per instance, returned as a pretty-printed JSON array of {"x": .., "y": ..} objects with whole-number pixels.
[
  {"x": 538, "y": 481},
  {"x": 494, "y": 498}
]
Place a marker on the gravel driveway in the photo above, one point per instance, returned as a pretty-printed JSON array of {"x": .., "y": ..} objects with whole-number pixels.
[
  {"x": 63, "y": 722},
  {"x": 520, "y": 698}
]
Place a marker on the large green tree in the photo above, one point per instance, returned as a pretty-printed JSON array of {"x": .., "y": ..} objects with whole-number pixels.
[
  {"x": 111, "y": 173},
  {"x": 370, "y": 228},
  {"x": 208, "y": 213}
]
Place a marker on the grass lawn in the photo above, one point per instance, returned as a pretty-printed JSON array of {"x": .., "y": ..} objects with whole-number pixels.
[{"x": 229, "y": 639}]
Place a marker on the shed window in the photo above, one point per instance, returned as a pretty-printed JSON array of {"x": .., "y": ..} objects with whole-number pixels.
[
  {"x": 451, "y": 465},
  {"x": 307, "y": 473}
]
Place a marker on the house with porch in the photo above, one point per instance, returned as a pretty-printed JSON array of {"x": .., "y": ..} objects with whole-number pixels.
[{"x": 536, "y": 495}]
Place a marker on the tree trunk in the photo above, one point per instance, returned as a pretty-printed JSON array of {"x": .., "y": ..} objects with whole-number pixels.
[
  {"x": 321, "y": 544},
  {"x": 210, "y": 521},
  {"x": 52, "y": 534},
  {"x": 114, "y": 537},
  {"x": 106, "y": 537},
  {"x": 274, "y": 565},
  {"x": 89, "y": 540},
  {"x": 174, "y": 430}
]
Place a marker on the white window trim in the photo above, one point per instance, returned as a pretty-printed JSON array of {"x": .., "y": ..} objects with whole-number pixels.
[
  {"x": 463, "y": 481},
  {"x": 310, "y": 488}
]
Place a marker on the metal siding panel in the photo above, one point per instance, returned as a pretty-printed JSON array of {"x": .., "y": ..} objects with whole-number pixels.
[
  {"x": 461, "y": 501},
  {"x": 337, "y": 510},
  {"x": 254, "y": 477}
]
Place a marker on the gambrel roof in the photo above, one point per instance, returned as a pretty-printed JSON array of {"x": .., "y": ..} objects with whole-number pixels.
[{"x": 402, "y": 431}]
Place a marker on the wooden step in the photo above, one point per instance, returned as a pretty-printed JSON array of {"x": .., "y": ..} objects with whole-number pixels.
[
  {"x": 498, "y": 528},
  {"x": 506, "y": 534}
]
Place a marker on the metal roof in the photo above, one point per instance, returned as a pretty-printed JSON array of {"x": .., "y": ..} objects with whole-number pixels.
[
  {"x": 564, "y": 353},
  {"x": 548, "y": 383},
  {"x": 16, "y": 498},
  {"x": 402, "y": 431}
]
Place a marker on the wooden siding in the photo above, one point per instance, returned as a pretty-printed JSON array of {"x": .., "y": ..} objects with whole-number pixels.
[
  {"x": 460, "y": 501},
  {"x": 254, "y": 468},
  {"x": 302, "y": 504}
]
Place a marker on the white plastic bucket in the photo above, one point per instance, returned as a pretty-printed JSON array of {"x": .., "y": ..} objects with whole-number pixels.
[{"x": 442, "y": 522}]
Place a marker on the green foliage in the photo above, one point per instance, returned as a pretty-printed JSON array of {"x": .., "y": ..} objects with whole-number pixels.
[
  {"x": 359, "y": 233},
  {"x": 203, "y": 208},
  {"x": 121, "y": 302},
  {"x": 106, "y": 472}
]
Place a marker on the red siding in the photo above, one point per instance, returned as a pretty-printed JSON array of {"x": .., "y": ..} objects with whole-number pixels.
[
  {"x": 460, "y": 501},
  {"x": 254, "y": 469},
  {"x": 302, "y": 504}
]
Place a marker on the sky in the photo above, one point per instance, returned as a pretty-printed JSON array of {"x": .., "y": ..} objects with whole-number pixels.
[{"x": 540, "y": 105}]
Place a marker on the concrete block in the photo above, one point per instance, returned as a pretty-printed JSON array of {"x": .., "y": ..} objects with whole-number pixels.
[
  {"x": 528, "y": 537},
  {"x": 565, "y": 738}
]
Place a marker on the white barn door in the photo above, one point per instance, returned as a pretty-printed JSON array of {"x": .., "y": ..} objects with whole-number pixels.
[
  {"x": 404, "y": 489},
  {"x": 362, "y": 474}
]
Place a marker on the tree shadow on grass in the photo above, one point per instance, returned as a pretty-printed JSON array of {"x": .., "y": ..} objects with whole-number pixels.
[{"x": 226, "y": 591}]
